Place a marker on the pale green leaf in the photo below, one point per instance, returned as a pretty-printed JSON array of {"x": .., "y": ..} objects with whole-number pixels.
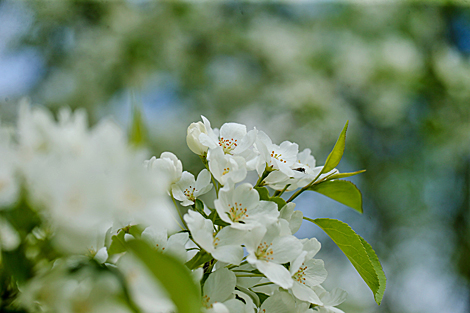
[
  {"x": 172, "y": 275},
  {"x": 335, "y": 156},
  {"x": 343, "y": 175},
  {"x": 342, "y": 191},
  {"x": 361, "y": 255},
  {"x": 138, "y": 130}
]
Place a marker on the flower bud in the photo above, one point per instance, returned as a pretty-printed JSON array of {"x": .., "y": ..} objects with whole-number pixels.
[
  {"x": 192, "y": 138},
  {"x": 168, "y": 165}
]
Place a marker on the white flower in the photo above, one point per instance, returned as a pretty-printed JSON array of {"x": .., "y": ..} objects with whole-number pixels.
[
  {"x": 86, "y": 180},
  {"x": 304, "y": 172},
  {"x": 192, "y": 138},
  {"x": 61, "y": 290},
  {"x": 330, "y": 299},
  {"x": 234, "y": 138},
  {"x": 267, "y": 251},
  {"x": 168, "y": 164},
  {"x": 294, "y": 218},
  {"x": 218, "y": 288},
  {"x": 187, "y": 189},
  {"x": 242, "y": 209},
  {"x": 277, "y": 157},
  {"x": 306, "y": 274},
  {"x": 173, "y": 245},
  {"x": 9, "y": 237},
  {"x": 224, "y": 246},
  {"x": 226, "y": 168},
  {"x": 280, "y": 301}
]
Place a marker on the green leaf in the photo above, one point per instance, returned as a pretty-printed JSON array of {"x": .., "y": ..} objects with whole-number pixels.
[
  {"x": 17, "y": 265},
  {"x": 378, "y": 269},
  {"x": 343, "y": 175},
  {"x": 137, "y": 131},
  {"x": 135, "y": 230},
  {"x": 358, "y": 251},
  {"x": 264, "y": 195},
  {"x": 117, "y": 245},
  {"x": 22, "y": 217},
  {"x": 200, "y": 258},
  {"x": 279, "y": 201},
  {"x": 342, "y": 191},
  {"x": 171, "y": 274},
  {"x": 199, "y": 205},
  {"x": 335, "y": 156},
  {"x": 220, "y": 222},
  {"x": 262, "y": 297}
]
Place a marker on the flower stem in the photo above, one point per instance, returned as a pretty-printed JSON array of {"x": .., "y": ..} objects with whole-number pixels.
[
  {"x": 179, "y": 213},
  {"x": 263, "y": 176}
]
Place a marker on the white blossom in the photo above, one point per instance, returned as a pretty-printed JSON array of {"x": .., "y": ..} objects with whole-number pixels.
[
  {"x": 187, "y": 189},
  {"x": 226, "y": 168},
  {"x": 224, "y": 246},
  {"x": 173, "y": 245},
  {"x": 192, "y": 138},
  {"x": 280, "y": 157},
  {"x": 330, "y": 299},
  {"x": 232, "y": 137},
  {"x": 242, "y": 208},
  {"x": 267, "y": 251},
  {"x": 168, "y": 166},
  {"x": 306, "y": 274}
]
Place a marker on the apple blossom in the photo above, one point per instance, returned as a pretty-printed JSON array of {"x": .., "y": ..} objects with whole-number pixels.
[{"x": 187, "y": 189}]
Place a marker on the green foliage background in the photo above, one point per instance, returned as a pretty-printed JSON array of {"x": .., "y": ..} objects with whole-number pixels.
[{"x": 399, "y": 72}]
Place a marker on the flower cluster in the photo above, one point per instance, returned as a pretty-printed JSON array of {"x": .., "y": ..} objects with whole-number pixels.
[
  {"x": 249, "y": 238},
  {"x": 87, "y": 224}
]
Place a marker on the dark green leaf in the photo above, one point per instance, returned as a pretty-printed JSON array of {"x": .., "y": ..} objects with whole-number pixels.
[
  {"x": 378, "y": 269},
  {"x": 220, "y": 222},
  {"x": 171, "y": 274},
  {"x": 199, "y": 205},
  {"x": 22, "y": 217},
  {"x": 17, "y": 265},
  {"x": 336, "y": 154},
  {"x": 361, "y": 255},
  {"x": 342, "y": 191},
  {"x": 261, "y": 297},
  {"x": 200, "y": 258}
]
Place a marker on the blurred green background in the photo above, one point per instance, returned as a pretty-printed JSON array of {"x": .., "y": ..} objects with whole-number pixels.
[{"x": 400, "y": 73}]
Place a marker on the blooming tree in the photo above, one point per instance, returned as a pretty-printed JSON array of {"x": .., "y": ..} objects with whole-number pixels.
[{"x": 87, "y": 224}]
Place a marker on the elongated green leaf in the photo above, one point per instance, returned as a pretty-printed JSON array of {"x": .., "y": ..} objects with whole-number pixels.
[
  {"x": 343, "y": 175},
  {"x": 378, "y": 269},
  {"x": 172, "y": 275},
  {"x": 342, "y": 191},
  {"x": 361, "y": 255},
  {"x": 335, "y": 155},
  {"x": 138, "y": 130}
]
